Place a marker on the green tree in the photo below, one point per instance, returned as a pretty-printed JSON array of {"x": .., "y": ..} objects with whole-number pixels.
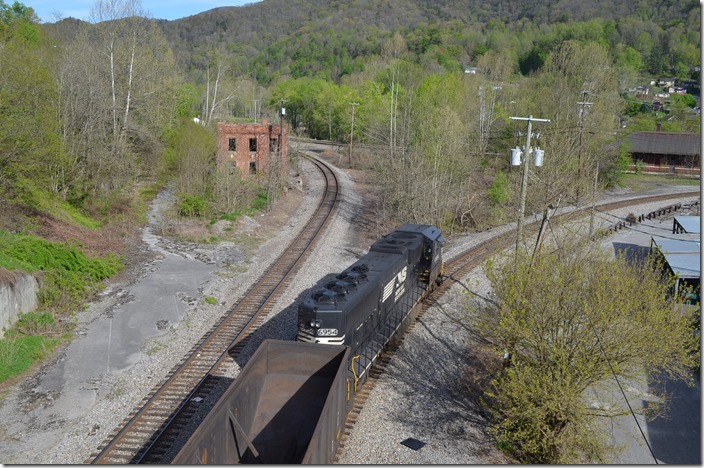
[
  {"x": 31, "y": 154},
  {"x": 573, "y": 319}
]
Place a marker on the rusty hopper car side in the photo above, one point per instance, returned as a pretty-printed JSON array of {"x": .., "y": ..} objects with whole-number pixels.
[{"x": 287, "y": 405}]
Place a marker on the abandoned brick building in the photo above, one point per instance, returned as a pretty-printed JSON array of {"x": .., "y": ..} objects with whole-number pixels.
[{"x": 251, "y": 147}]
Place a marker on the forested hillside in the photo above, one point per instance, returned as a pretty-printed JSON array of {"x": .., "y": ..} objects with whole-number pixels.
[
  {"x": 279, "y": 38},
  {"x": 435, "y": 83},
  {"x": 332, "y": 39}
]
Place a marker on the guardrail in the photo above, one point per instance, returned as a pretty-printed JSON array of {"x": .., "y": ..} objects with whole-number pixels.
[{"x": 653, "y": 215}]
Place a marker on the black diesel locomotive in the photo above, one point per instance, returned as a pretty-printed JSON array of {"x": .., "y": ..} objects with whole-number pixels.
[
  {"x": 366, "y": 304},
  {"x": 289, "y": 402}
]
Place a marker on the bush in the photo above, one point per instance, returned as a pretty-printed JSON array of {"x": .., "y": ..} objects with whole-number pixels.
[
  {"x": 550, "y": 312},
  {"x": 498, "y": 191},
  {"x": 68, "y": 274},
  {"x": 639, "y": 166},
  {"x": 192, "y": 206},
  {"x": 261, "y": 201}
]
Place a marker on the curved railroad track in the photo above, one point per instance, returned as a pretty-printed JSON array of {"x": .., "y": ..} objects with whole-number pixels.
[
  {"x": 148, "y": 433},
  {"x": 457, "y": 268}
]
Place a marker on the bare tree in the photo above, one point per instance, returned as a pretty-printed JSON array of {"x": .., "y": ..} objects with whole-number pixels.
[
  {"x": 215, "y": 98},
  {"x": 115, "y": 82}
]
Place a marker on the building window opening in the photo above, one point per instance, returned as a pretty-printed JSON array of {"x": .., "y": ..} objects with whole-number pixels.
[
  {"x": 252, "y": 144},
  {"x": 232, "y": 144},
  {"x": 252, "y": 168}
]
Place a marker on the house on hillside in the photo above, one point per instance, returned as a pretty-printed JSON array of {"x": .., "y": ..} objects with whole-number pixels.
[
  {"x": 665, "y": 82},
  {"x": 666, "y": 152},
  {"x": 251, "y": 147}
]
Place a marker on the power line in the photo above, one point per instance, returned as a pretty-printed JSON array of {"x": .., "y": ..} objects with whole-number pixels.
[{"x": 613, "y": 373}]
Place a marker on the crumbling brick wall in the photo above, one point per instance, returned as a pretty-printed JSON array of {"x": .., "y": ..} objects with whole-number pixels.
[{"x": 235, "y": 149}]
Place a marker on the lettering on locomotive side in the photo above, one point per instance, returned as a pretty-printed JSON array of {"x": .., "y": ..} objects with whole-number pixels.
[
  {"x": 396, "y": 283},
  {"x": 400, "y": 292}
]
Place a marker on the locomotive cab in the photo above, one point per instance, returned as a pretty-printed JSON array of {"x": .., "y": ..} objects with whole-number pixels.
[
  {"x": 430, "y": 267},
  {"x": 320, "y": 320}
]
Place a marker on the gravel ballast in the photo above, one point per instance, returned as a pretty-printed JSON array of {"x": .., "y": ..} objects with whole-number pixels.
[{"x": 419, "y": 397}]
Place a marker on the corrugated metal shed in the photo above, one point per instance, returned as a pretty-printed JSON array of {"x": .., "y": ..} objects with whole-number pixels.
[
  {"x": 686, "y": 144},
  {"x": 682, "y": 254},
  {"x": 687, "y": 224}
]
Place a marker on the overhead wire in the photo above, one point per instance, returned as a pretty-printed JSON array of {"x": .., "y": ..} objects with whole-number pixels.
[
  {"x": 623, "y": 393},
  {"x": 631, "y": 228}
]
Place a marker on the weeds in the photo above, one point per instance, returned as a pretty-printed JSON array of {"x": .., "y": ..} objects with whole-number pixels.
[
  {"x": 68, "y": 275},
  {"x": 32, "y": 337}
]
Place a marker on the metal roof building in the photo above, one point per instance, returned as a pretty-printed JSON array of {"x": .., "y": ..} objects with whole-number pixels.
[
  {"x": 666, "y": 143},
  {"x": 687, "y": 224},
  {"x": 683, "y": 258},
  {"x": 667, "y": 152}
]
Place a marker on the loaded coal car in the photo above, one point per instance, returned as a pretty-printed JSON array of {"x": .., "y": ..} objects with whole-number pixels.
[
  {"x": 287, "y": 405},
  {"x": 373, "y": 300}
]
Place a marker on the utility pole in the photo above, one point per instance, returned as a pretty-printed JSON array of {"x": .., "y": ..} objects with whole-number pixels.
[
  {"x": 524, "y": 179},
  {"x": 353, "y": 104},
  {"x": 279, "y": 170},
  {"x": 591, "y": 217},
  {"x": 582, "y": 114},
  {"x": 282, "y": 112}
]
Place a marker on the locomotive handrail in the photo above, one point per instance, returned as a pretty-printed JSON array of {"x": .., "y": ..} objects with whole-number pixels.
[{"x": 356, "y": 378}]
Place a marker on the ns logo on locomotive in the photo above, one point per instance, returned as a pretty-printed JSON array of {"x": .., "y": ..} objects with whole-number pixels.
[{"x": 371, "y": 297}]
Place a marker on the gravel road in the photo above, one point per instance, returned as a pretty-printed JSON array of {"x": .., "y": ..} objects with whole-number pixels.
[{"x": 421, "y": 396}]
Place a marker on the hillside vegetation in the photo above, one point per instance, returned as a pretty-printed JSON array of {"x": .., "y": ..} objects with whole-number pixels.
[
  {"x": 94, "y": 110},
  {"x": 278, "y": 38},
  {"x": 95, "y": 117}
]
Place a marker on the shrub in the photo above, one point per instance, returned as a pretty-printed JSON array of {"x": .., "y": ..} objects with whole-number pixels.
[
  {"x": 639, "y": 166},
  {"x": 498, "y": 191},
  {"x": 192, "y": 206},
  {"x": 68, "y": 274}
]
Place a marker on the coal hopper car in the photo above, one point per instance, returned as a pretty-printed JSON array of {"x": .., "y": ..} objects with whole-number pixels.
[{"x": 287, "y": 405}]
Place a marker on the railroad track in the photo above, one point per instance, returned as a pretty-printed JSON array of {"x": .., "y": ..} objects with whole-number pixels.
[
  {"x": 458, "y": 267},
  {"x": 149, "y": 433}
]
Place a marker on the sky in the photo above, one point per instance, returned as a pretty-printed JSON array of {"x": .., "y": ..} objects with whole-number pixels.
[{"x": 159, "y": 9}]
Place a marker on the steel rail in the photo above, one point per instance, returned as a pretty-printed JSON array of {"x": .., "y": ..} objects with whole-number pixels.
[
  {"x": 143, "y": 430},
  {"x": 455, "y": 269}
]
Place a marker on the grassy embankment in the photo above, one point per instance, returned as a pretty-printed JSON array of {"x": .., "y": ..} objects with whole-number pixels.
[
  {"x": 68, "y": 276},
  {"x": 643, "y": 182}
]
